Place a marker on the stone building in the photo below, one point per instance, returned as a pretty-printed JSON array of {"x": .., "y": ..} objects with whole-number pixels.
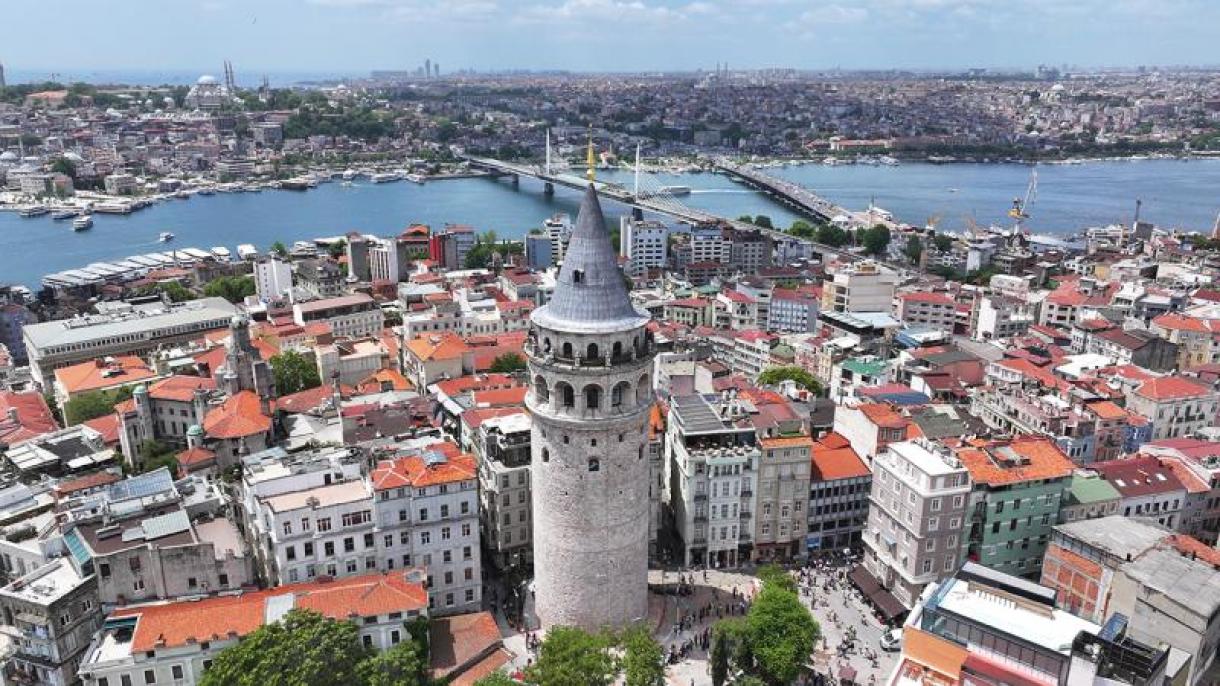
[
  {"x": 55, "y": 610},
  {"x": 591, "y": 394}
]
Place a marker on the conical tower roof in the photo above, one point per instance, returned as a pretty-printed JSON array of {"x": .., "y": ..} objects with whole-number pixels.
[{"x": 590, "y": 294}]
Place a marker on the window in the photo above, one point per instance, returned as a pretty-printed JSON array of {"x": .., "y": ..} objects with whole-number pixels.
[
  {"x": 349, "y": 545},
  {"x": 425, "y": 537},
  {"x": 328, "y": 548},
  {"x": 176, "y": 671},
  {"x": 357, "y": 518},
  {"x": 324, "y": 524},
  {"x": 595, "y": 464},
  {"x": 150, "y": 677},
  {"x": 287, "y": 528},
  {"x": 445, "y": 531},
  {"x": 423, "y": 514}
]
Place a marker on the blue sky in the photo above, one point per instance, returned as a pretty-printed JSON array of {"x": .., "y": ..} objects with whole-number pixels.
[{"x": 353, "y": 36}]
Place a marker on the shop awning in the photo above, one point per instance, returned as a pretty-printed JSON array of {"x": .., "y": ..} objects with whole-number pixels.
[
  {"x": 890, "y": 606},
  {"x": 864, "y": 580}
]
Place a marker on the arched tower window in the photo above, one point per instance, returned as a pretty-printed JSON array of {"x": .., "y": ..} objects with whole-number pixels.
[
  {"x": 546, "y": 345},
  {"x": 591, "y": 352},
  {"x": 567, "y": 395},
  {"x": 593, "y": 397},
  {"x": 578, "y": 276},
  {"x": 621, "y": 390},
  {"x": 618, "y": 349},
  {"x": 595, "y": 465},
  {"x": 542, "y": 394},
  {"x": 546, "y": 455},
  {"x": 567, "y": 349},
  {"x": 642, "y": 389}
]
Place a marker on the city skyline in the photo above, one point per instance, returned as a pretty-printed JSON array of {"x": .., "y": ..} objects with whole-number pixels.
[{"x": 337, "y": 37}]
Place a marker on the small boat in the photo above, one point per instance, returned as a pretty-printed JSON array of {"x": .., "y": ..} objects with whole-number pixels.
[
  {"x": 82, "y": 223},
  {"x": 165, "y": 237},
  {"x": 385, "y": 177},
  {"x": 952, "y": 190},
  {"x": 206, "y": 190},
  {"x": 888, "y": 161},
  {"x": 60, "y": 215},
  {"x": 416, "y": 178},
  {"x": 182, "y": 195},
  {"x": 349, "y": 174},
  {"x": 346, "y": 184},
  {"x": 33, "y": 211}
]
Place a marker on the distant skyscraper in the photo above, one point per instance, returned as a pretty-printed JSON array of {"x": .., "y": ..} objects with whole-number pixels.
[
  {"x": 427, "y": 69},
  {"x": 436, "y": 68},
  {"x": 2, "y": 83}
]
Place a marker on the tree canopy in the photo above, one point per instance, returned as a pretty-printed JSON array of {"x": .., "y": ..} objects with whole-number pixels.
[
  {"x": 798, "y": 375},
  {"x": 92, "y": 404},
  {"x": 508, "y": 363},
  {"x": 876, "y": 239},
  {"x": 231, "y": 288},
  {"x": 643, "y": 659},
  {"x": 293, "y": 372},
  {"x": 572, "y": 657},
  {"x": 303, "y": 648},
  {"x": 772, "y": 642},
  {"x": 833, "y": 236},
  {"x": 913, "y": 249},
  {"x": 496, "y": 679}
]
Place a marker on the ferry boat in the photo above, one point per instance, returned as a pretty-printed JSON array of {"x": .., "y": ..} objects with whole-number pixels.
[
  {"x": 60, "y": 215},
  {"x": 221, "y": 253},
  {"x": 206, "y": 190},
  {"x": 349, "y": 174},
  {"x": 113, "y": 208},
  {"x": 246, "y": 251},
  {"x": 416, "y": 178},
  {"x": 182, "y": 195},
  {"x": 298, "y": 183},
  {"x": 888, "y": 161},
  {"x": 165, "y": 237},
  {"x": 33, "y": 211},
  {"x": 675, "y": 190},
  {"x": 82, "y": 223},
  {"x": 385, "y": 177}
]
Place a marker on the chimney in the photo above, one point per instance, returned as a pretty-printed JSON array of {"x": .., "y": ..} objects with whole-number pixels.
[{"x": 12, "y": 415}]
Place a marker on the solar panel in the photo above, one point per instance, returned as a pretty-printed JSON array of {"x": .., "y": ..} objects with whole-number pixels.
[{"x": 141, "y": 486}]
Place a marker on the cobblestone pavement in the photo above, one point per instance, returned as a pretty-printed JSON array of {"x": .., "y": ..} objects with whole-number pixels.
[{"x": 835, "y": 605}]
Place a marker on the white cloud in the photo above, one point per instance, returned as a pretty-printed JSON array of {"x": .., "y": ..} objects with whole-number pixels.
[{"x": 608, "y": 11}]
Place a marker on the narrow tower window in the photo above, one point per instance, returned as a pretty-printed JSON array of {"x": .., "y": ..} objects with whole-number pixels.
[
  {"x": 595, "y": 465},
  {"x": 578, "y": 276}
]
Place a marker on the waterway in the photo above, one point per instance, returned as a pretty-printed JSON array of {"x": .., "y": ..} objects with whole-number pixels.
[{"x": 1070, "y": 197}]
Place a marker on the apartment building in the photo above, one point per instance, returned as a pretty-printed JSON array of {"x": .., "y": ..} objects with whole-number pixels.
[
  {"x": 502, "y": 448},
  {"x": 861, "y": 287},
  {"x": 353, "y": 316},
  {"x": 175, "y": 643},
  {"x": 1018, "y": 489},
  {"x": 55, "y": 611},
  {"x": 644, "y": 243},
  {"x": 119, "y": 329},
  {"x": 712, "y": 457},
  {"x": 427, "y": 515},
  {"x": 839, "y": 489},
  {"x": 918, "y": 507},
  {"x": 1176, "y": 406},
  {"x": 781, "y": 521},
  {"x": 1146, "y": 488},
  {"x": 272, "y": 279},
  {"x": 793, "y": 310},
  {"x": 924, "y": 308},
  {"x": 1001, "y": 316}
]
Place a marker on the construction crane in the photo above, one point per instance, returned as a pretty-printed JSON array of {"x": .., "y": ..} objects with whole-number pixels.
[{"x": 1020, "y": 206}]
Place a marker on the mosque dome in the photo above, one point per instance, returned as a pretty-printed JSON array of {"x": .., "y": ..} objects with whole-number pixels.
[
  {"x": 206, "y": 80},
  {"x": 8, "y": 156}
]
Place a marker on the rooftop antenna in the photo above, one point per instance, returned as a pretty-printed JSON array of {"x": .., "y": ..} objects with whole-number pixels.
[{"x": 591, "y": 172}]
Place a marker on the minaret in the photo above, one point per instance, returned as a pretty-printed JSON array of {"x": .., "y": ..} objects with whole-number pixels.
[
  {"x": 591, "y": 162},
  {"x": 590, "y": 359}
]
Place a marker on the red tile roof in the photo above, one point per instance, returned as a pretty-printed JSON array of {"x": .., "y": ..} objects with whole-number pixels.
[
  {"x": 1138, "y": 476},
  {"x": 445, "y": 346},
  {"x": 97, "y": 374},
  {"x": 108, "y": 426},
  {"x": 927, "y": 297},
  {"x": 237, "y": 417},
  {"x": 175, "y": 624},
  {"x": 832, "y": 461},
  {"x": 416, "y": 472},
  {"x": 1172, "y": 388},
  {"x": 1033, "y": 459},
  {"x": 180, "y": 388},
  {"x": 33, "y": 417}
]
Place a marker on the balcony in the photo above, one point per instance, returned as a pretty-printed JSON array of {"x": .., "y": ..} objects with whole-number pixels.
[
  {"x": 746, "y": 514},
  {"x": 700, "y": 497},
  {"x": 747, "y": 493},
  {"x": 700, "y": 519}
]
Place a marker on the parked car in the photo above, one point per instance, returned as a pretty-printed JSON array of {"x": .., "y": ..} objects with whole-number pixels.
[{"x": 892, "y": 640}]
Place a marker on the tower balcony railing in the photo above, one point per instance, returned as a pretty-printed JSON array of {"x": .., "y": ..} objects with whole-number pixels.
[{"x": 576, "y": 359}]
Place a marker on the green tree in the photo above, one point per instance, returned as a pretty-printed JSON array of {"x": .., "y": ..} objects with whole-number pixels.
[
  {"x": 798, "y": 375},
  {"x": 719, "y": 657},
  {"x": 781, "y": 633},
  {"x": 572, "y": 657},
  {"x": 943, "y": 242},
  {"x": 496, "y": 679},
  {"x": 279, "y": 248},
  {"x": 803, "y": 229},
  {"x": 876, "y": 239},
  {"x": 93, "y": 404},
  {"x": 293, "y": 372},
  {"x": 337, "y": 249},
  {"x": 65, "y": 166},
  {"x": 775, "y": 575},
  {"x": 643, "y": 659},
  {"x": 154, "y": 454},
  {"x": 734, "y": 653},
  {"x": 508, "y": 363},
  {"x": 304, "y": 648},
  {"x": 401, "y": 665},
  {"x": 913, "y": 249},
  {"x": 764, "y": 221},
  {"x": 231, "y": 288},
  {"x": 832, "y": 235}
]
